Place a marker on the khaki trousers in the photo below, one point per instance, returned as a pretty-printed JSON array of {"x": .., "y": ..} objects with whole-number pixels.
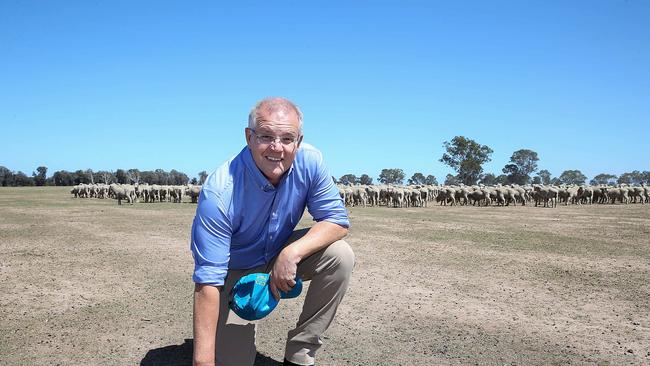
[{"x": 328, "y": 271}]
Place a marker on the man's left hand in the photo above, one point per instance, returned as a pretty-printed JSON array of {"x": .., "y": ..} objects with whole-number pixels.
[{"x": 283, "y": 274}]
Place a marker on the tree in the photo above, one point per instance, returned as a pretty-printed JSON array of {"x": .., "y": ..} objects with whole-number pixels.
[
  {"x": 348, "y": 179},
  {"x": 645, "y": 176},
  {"x": 6, "y": 176},
  {"x": 63, "y": 178},
  {"x": 106, "y": 176},
  {"x": 488, "y": 179},
  {"x": 203, "y": 175},
  {"x": 391, "y": 176},
  {"x": 20, "y": 179},
  {"x": 40, "y": 177},
  {"x": 572, "y": 177},
  {"x": 80, "y": 177},
  {"x": 502, "y": 179},
  {"x": 133, "y": 176},
  {"x": 120, "y": 176},
  {"x": 522, "y": 163},
  {"x": 537, "y": 180},
  {"x": 178, "y": 178},
  {"x": 632, "y": 178},
  {"x": 466, "y": 157},
  {"x": 194, "y": 181},
  {"x": 603, "y": 178},
  {"x": 417, "y": 178},
  {"x": 451, "y": 180},
  {"x": 431, "y": 180},
  {"x": 334, "y": 180},
  {"x": 365, "y": 179},
  {"x": 545, "y": 176}
]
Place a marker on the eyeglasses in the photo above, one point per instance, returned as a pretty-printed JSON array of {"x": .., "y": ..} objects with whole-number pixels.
[{"x": 268, "y": 139}]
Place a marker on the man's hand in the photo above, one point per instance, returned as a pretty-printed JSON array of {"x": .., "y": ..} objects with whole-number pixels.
[{"x": 283, "y": 274}]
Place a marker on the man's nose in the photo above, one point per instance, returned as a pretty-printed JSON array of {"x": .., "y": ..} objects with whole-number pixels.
[{"x": 276, "y": 144}]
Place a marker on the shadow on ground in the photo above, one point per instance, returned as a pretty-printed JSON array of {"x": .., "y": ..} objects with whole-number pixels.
[{"x": 181, "y": 355}]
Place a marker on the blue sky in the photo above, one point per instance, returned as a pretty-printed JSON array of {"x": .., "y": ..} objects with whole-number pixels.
[{"x": 157, "y": 84}]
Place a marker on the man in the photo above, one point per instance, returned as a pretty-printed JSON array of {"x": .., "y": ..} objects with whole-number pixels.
[{"x": 245, "y": 220}]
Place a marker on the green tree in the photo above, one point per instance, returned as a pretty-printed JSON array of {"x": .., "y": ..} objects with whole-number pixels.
[
  {"x": 632, "y": 178},
  {"x": 545, "y": 176},
  {"x": 40, "y": 177},
  {"x": 80, "y": 176},
  {"x": 451, "y": 180},
  {"x": 488, "y": 179},
  {"x": 63, "y": 178},
  {"x": 106, "y": 176},
  {"x": 537, "y": 180},
  {"x": 348, "y": 179},
  {"x": 645, "y": 176},
  {"x": 133, "y": 176},
  {"x": 203, "y": 175},
  {"x": 572, "y": 177},
  {"x": 6, "y": 176},
  {"x": 502, "y": 179},
  {"x": 431, "y": 180},
  {"x": 603, "y": 178},
  {"x": 417, "y": 178},
  {"x": 120, "y": 176},
  {"x": 522, "y": 163},
  {"x": 466, "y": 157},
  {"x": 391, "y": 176},
  {"x": 20, "y": 179},
  {"x": 178, "y": 178},
  {"x": 365, "y": 179}
]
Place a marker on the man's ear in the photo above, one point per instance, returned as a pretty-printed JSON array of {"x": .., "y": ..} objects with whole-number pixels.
[
  {"x": 300, "y": 140},
  {"x": 248, "y": 135}
]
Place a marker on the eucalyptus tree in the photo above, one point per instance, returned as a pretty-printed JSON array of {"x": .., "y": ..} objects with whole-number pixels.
[{"x": 466, "y": 157}]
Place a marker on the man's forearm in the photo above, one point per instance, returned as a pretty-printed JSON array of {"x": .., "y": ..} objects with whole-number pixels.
[
  {"x": 206, "y": 315},
  {"x": 318, "y": 237}
]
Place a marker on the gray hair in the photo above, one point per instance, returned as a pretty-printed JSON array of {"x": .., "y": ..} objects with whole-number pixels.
[{"x": 273, "y": 104}]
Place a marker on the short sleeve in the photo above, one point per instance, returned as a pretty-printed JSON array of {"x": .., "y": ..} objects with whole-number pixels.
[
  {"x": 210, "y": 240},
  {"x": 324, "y": 202}
]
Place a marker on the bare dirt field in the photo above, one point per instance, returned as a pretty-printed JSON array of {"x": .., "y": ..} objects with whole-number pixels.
[{"x": 88, "y": 282}]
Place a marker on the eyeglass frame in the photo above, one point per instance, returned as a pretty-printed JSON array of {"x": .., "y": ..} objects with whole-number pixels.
[{"x": 276, "y": 139}]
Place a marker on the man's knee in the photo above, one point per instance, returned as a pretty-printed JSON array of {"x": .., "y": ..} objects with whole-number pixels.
[{"x": 342, "y": 257}]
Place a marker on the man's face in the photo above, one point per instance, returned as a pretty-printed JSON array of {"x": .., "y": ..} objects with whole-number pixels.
[{"x": 275, "y": 158}]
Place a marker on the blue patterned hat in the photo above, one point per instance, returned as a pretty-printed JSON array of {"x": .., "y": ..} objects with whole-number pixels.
[{"x": 252, "y": 298}]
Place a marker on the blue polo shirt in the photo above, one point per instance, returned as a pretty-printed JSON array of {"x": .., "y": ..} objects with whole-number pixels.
[{"x": 242, "y": 221}]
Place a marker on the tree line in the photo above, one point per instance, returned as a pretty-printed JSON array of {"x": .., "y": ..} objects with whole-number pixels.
[
  {"x": 39, "y": 177},
  {"x": 466, "y": 157}
]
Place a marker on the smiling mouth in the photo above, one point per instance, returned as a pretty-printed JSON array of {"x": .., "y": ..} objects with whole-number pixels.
[{"x": 275, "y": 160}]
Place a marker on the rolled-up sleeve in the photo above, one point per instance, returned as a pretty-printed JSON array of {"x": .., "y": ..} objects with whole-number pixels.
[
  {"x": 210, "y": 240},
  {"x": 324, "y": 202}
]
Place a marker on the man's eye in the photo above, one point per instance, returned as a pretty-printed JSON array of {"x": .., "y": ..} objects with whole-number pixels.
[
  {"x": 267, "y": 138},
  {"x": 288, "y": 140}
]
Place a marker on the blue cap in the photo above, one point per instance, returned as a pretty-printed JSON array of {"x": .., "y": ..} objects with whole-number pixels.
[{"x": 252, "y": 298}]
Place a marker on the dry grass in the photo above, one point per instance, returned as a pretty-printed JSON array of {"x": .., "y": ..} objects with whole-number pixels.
[{"x": 85, "y": 281}]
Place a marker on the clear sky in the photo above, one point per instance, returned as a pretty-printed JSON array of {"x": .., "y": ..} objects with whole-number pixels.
[{"x": 169, "y": 84}]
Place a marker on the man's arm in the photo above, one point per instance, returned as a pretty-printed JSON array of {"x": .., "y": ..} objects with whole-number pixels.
[
  {"x": 318, "y": 237},
  {"x": 206, "y": 315}
]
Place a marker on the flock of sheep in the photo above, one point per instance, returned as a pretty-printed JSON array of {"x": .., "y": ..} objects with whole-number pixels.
[
  {"x": 400, "y": 196},
  {"x": 548, "y": 196},
  {"x": 139, "y": 192}
]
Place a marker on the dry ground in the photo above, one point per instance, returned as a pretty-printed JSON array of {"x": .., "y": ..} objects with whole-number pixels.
[{"x": 84, "y": 281}]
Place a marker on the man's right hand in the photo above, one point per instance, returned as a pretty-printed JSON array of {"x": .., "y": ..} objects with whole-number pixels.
[{"x": 206, "y": 316}]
